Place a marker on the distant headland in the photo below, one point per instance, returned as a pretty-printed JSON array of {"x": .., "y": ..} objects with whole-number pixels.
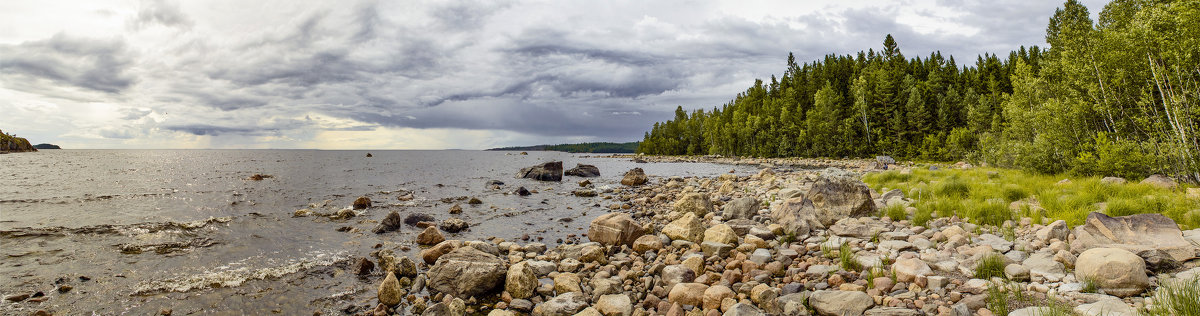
[
  {"x": 599, "y": 148},
  {"x": 11, "y": 143}
]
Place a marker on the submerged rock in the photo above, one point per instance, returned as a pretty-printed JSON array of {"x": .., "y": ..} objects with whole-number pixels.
[
  {"x": 389, "y": 223},
  {"x": 453, "y": 225},
  {"x": 414, "y": 218},
  {"x": 522, "y": 191},
  {"x": 550, "y": 171}
]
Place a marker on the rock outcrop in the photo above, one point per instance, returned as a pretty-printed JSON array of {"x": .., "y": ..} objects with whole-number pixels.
[
  {"x": 582, "y": 170},
  {"x": 1133, "y": 233},
  {"x": 550, "y": 171}
]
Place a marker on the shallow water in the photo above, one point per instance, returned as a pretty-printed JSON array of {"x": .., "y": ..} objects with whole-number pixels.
[{"x": 136, "y": 231}]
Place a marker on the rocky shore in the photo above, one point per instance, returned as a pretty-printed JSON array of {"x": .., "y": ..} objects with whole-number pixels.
[{"x": 791, "y": 243}]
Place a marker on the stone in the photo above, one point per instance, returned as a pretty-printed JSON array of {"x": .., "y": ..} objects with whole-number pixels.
[
  {"x": 743, "y": 309},
  {"x": 793, "y": 304},
  {"x": 1133, "y": 233},
  {"x": 414, "y": 218},
  {"x": 453, "y": 225},
  {"x": 696, "y": 203},
  {"x": 467, "y": 272},
  {"x": 634, "y": 177},
  {"x": 430, "y": 236},
  {"x": 788, "y": 193},
  {"x": 714, "y": 295},
  {"x": 361, "y": 202},
  {"x": 1056, "y": 230},
  {"x": 1043, "y": 267},
  {"x": 760, "y": 256},
  {"x": 1158, "y": 261},
  {"x": 687, "y": 294},
  {"x": 614, "y": 305},
  {"x": 996, "y": 242},
  {"x": 390, "y": 292},
  {"x": 677, "y": 274},
  {"x": 363, "y": 266},
  {"x": 796, "y": 215},
  {"x": 838, "y": 197},
  {"x": 1160, "y": 181},
  {"x": 582, "y": 170},
  {"x": 721, "y": 233},
  {"x": 1113, "y": 180},
  {"x": 892, "y": 311},
  {"x": 520, "y": 281},
  {"x": 615, "y": 229},
  {"x": 585, "y": 193},
  {"x": 741, "y": 208},
  {"x": 1117, "y": 272},
  {"x": 431, "y": 255},
  {"x": 715, "y": 249},
  {"x": 550, "y": 171},
  {"x": 908, "y": 270},
  {"x": 1106, "y": 307},
  {"x": 567, "y": 282},
  {"x": 498, "y": 312},
  {"x": 565, "y": 304},
  {"x": 521, "y": 191},
  {"x": 1016, "y": 272},
  {"x": 854, "y": 227},
  {"x": 647, "y": 243},
  {"x": 687, "y": 228},
  {"x": 838, "y": 303},
  {"x": 391, "y": 222}
]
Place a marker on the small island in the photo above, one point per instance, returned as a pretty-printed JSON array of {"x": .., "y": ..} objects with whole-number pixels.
[{"x": 46, "y": 146}]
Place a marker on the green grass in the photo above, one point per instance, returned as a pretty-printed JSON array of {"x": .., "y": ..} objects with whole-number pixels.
[
  {"x": 1176, "y": 297},
  {"x": 1090, "y": 285},
  {"x": 990, "y": 267},
  {"x": 848, "y": 259},
  {"x": 828, "y": 251},
  {"x": 997, "y": 300},
  {"x": 973, "y": 194},
  {"x": 895, "y": 212}
]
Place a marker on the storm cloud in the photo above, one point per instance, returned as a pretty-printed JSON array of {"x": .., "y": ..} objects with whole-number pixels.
[{"x": 286, "y": 73}]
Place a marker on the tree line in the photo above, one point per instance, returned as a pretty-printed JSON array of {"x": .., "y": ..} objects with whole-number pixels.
[{"x": 1117, "y": 96}]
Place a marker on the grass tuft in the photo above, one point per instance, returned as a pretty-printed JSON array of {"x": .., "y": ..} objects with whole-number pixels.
[
  {"x": 990, "y": 267},
  {"x": 896, "y": 212},
  {"x": 848, "y": 259},
  {"x": 1176, "y": 297}
]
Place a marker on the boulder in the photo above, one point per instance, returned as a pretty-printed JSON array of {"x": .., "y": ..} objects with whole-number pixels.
[
  {"x": 389, "y": 223},
  {"x": 721, "y": 234},
  {"x": 839, "y": 303},
  {"x": 635, "y": 177},
  {"x": 361, "y": 202},
  {"x": 687, "y": 294},
  {"x": 520, "y": 281},
  {"x": 1160, "y": 181},
  {"x": 714, "y": 295},
  {"x": 582, "y": 170},
  {"x": 693, "y": 203},
  {"x": 1109, "y": 306},
  {"x": 907, "y": 270},
  {"x": 414, "y": 218},
  {"x": 453, "y": 225},
  {"x": 1133, "y": 233},
  {"x": 647, "y": 243},
  {"x": 431, "y": 236},
  {"x": 741, "y": 208},
  {"x": 567, "y": 282},
  {"x": 855, "y": 227},
  {"x": 796, "y": 215},
  {"x": 615, "y": 229},
  {"x": 550, "y": 171},
  {"x": 687, "y": 228},
  {"x": 390, "y": 292},
  {"x": 1112, "y": 180},
  {"x": 565, "y": 304},
  {"x": 837, "y": 197},
  {"x": 614, "y": 305},
  {"x": 467, "y": 272},
  {"x": 1117, "y": 272}
]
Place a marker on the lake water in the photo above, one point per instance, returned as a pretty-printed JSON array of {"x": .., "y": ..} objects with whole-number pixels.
[{"x": 136, "y": 231}]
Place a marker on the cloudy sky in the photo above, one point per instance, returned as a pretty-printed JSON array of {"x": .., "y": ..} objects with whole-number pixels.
[{"x": 433, "y": 74}]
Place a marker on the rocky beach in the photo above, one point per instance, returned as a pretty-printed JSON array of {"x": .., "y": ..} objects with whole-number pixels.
[{"x": 785, "y": 242}]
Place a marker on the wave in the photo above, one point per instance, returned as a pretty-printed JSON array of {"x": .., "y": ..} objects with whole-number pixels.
[{"x": 235, "y": 274}]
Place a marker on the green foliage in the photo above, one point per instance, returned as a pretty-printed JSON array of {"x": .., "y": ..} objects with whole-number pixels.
[
  {"x": 607, "y": 148},
  {"x": 1090, "y": 285},
  {"x": 1176, "y": 297},
  {"x": 896, "y": 212},
  {"x": 991, "y": 266},
  {"x": 953, "y": 188},
  {"x": 847, "y": 258}
]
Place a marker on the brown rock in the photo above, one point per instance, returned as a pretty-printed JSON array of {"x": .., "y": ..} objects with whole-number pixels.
[
  {"x": 615, "y": 229},
  {"x": 431, "y": 236},
  {"x": 362, "y": 202}
]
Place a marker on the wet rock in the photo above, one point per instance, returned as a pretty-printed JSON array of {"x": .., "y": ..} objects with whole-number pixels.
[
  {"x": 456, "y": 209},
  {"x": 494, "y": 184},
  {"x": 837, "y": 303},
  {"x": 414, "y": 218},
  {"x": 1117, "y": 271},
  {"x": 390, "y": 292},
  {"x": 431, "y": 255},
  {"x": 565, "y": 304},
  {"x": 467, "y": 272},
  {"x": 522, "y": 191},
  {"x": 741, "y": 208},
  {"x": 550, "y": 171},
  {"x": 405, "y": 267},
  {"x": 582, "y": 170},
  {"x": 696, "y": 203},
  {"x": 363, "y": 266},
  {"x": 430, "y": 236},
  {"x": 584, "y": 193},
  {"x": 615, "y": 229},
  {"x": 520, "y": 281},
  {"x": 1133, "y": 233},
  {"x": 614, "y": 305},
  {"x": 453, "y": 225},
  {"x": 585, "y": 183},
  {"x": 635, "y": 177},
  {"x": 687, "y": 228},
  {"x": 362, "y": 202},
  {"x": 1160, "y": 181},
  {"x": 687, "y": 294},
  {"x": 389, "y": 223}
]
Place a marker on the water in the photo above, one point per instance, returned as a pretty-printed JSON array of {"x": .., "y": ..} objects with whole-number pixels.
[{"x": 136, "y": 231}]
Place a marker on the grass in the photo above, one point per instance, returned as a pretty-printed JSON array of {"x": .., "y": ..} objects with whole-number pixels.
[
  {"x": 1176, "y": 297},
  {"x": 829, "y": 252},
  {"x": 984, "y": 199},
  {"x": 1090, "y": 285},
  {"x": 895, "y": 212},
  {"x": 848, "y": 259},
  {"x": 990, "y": 267},
  {"x": 1003, "y": 299}
]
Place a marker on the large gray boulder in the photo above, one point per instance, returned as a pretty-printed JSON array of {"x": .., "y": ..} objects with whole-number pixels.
[
  {"x": 466, "y": 272},
  {"x": 796, "y": 215},
  {"x": 1118, "y": 272},
  {"x": 550, "y": 171},
  {"x": 1133, "y": 233},
  {"x": 831, "y": 198},
  {"x": 582, "y": 170},
  {"x": 565, "y": 304},
  {"x": 838, "y": 303},
  {"x": 741, "y": 208}
]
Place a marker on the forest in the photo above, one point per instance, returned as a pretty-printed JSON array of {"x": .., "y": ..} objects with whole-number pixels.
[
  {"x": 595, "y": 148},
  {"x": 1113, "y": 97}
]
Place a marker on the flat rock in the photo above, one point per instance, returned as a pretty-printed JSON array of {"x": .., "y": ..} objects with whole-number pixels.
[
  {"x": 838, "y": 303},
  {"x": 1133, "y": 233}
]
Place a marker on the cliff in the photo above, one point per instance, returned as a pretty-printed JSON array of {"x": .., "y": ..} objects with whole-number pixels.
[{"x": 9, "y": 143}]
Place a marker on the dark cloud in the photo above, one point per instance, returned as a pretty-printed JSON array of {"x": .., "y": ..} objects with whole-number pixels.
[
  {"x": 99, "y": 65},
  {"x": 212, "y": 130}
]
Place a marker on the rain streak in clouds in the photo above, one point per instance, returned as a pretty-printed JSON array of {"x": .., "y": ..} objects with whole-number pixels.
[{"x": 432, "y": 74}]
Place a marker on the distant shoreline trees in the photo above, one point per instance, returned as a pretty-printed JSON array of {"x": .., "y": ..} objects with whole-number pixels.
[{"x": 1114, "y": 97}]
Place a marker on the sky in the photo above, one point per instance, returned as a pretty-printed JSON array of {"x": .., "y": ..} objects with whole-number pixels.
[{"x": 456, "y": 74}]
